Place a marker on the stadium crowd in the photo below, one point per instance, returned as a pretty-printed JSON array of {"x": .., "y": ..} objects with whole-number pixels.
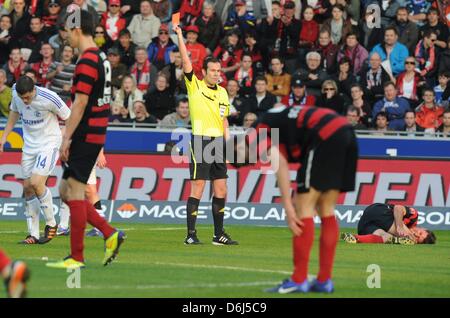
[{"x": 386, "y": 68}]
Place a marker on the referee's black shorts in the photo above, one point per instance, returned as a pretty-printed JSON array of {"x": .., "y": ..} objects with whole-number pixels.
[
  {"x": 207, "y": 158},
  {"x": 82, "y": 159},
  {"x": 331, "y": 165}
]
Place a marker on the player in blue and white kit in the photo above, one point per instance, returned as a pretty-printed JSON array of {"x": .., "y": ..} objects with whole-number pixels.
[{"x": 39, "y": 109}]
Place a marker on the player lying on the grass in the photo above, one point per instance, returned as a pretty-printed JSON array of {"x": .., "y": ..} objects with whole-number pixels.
[
  {"x": 15, "y": 275},
  {"x": 390, "y": 224},
  {"x": 39, "y": 109},
  {"x": 325, "y": 145}
]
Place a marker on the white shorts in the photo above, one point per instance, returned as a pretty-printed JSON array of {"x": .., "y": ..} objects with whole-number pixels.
[
  {"x": 92, "y": 177},
  {"x": 41, "y": 163}
]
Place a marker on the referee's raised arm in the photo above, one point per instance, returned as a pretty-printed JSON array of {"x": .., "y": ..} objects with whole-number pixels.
[{"x": 187, "y": 65}]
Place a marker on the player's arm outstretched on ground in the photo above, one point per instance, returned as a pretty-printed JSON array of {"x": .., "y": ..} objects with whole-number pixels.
[
  {"x": 187, "y": 64},
  {"x": 284, "y": 183},
  {"x": 12, "y": 120},
  {"x": 77, "y": 111},
  {"x": 402, "y": 230}
]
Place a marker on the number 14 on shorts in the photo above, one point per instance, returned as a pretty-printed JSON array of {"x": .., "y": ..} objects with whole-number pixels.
[{"x": 40, "y": 161}]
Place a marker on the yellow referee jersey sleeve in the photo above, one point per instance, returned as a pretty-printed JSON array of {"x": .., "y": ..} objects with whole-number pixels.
[{"x": 208, "y": 107}]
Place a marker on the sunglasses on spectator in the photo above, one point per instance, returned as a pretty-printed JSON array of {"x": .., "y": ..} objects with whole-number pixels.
[
  {"x": 99, "y": 32},
  {"x": 53, "y": 5},
  {"x": 328, "y": 89},
  {"x": 163, "y": 32},
  {"x": 114, "y": 5},
  {"x": 410, "y": 62}
]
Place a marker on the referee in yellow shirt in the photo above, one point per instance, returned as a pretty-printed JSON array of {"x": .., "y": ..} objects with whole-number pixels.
[{"x": 209, "y": 107}]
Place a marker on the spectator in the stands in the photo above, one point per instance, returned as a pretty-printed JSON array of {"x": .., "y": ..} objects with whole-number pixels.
[
  {"x": 50, "y": 17},
  {"x": 196, "y": 50},
  {"x": 298, "y": 95},
  {"x": 239, "y": 18},
  {"x": 160, "y": 101},
  {"x": 238, "y": 105},
  {"x": 345, "y": 78},
  {"x": 127, "y": 48},
  {"x": 408, "y": 32},
  {"x": 278, "y": 81},
  {"x": 61, "y": 73},
  {"x": 189, "y": 10},
  {"x": 338, "y": 25},
  {"x": 313, "y": 76},
  {"x": 84, "y": 5},
  {"x": 249, "y": 120},
  {"x": 229, "y": 53},
  {"x": 434, "y": 24},
  {"x": 129, "y": 8},
  {"x": 14, "y": 67},
  {"x": 102, "y": 39},
  {"x": 142, "y": 115},
  {"x": 328, "y": 51},
  {"x": 444, "y": 130},
  {"x": 5, "y": 95},
  {"x": 179, "y": 118},
  {"x": 112, "y": 20},
  {"x": 160, "y": 48},
  {"x": 144, "y": 26},
  {"x": 418, "y": 10},
  {"x": 365, "y": 109},
  {"x": 374, "y": 78},
  {"x": 5, "y": 37},
  {"x": 251, "y": 47},
  {"x": 426, "y": 57},
  {"x": 34, "y": 40},
  {"x": 395, "y": 107},
  {"x": 20, "y": 19},
  {"x": 370, "y": 36},
  {"x": 309, "y": 34},
  {"x": 388, "y": 11},
  {"x": 381, "y": 124},
  {"x": 127, "y": 95},
  {"x": 244, "y": 76},
  {"x": 267, "y": 32},
  {"x": 59, "y": 40},
  {"x": 209, "y": 26},
  {"x": 42, "y": 67},
  {"x": 392, "y": 50},
  {"x": 176, "y": 74},
  {"x": 262, "y": 100},
  {"x": 429, "y": 114},
  {"x": 354, "y": 51},
  {"x": 409, "y": 82},
  {"x": 330, "y": 97},
  {"x": 162, "y": 9},
  {"x": 354, "y": 118},
  {"x": 118, "y": 70},
  {"x": 410, "y": 124},
  {"x": 444, "y": 78},
  {"x": 143, "y": 71}
]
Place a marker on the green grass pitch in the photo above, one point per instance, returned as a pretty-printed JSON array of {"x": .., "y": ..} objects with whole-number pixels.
[{"x": 153, "y": 262}]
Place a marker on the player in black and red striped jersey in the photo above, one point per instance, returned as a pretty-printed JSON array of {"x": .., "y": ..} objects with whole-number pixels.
[
  {"x": 325, "y": 145},
  {"x": 84, "y": 138},
  {"x": 390, "y": 224}
]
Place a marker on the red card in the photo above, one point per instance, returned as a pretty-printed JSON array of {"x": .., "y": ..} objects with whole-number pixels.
[{"x": 176, "y": 18}]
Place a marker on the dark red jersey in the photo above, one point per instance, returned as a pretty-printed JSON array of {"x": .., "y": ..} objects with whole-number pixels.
[
  {"x": 93, "y": 78},
  {"x": 300, "y": 128}
]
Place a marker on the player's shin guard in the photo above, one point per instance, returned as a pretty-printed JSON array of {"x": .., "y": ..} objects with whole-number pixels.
[
  {"x": 47, "y": 207},
  {"x": 302, "y": 245},
  {"x": 78, "y": 219},
  {"x": 64, "y": 215},
  {"x": 329, "y": 236},
  {"x": 218, "y": 207},
  {"x": 32, "y": 209},
  {"x": 4, "y": 261},
  {"x": 97, "y": 221},
  {"x": 191, "y": 214},
  {"x": 369, "y": 238}
]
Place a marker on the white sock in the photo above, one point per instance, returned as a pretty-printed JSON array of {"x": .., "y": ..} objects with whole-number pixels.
[
  {"x": 64, "y": 215},
  {"x": 47, "y": 207},
  {"x": 32, "y": 211}
]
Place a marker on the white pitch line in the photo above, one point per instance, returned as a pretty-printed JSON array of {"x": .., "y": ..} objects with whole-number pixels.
[
  {"x": 234, "y": 268},
  {"x": 11, "y": 232},
  {"x": 167, "y": 229}
]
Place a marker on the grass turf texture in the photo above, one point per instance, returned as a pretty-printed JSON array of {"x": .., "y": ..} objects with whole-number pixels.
[{"x": 153, "y": 262}]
